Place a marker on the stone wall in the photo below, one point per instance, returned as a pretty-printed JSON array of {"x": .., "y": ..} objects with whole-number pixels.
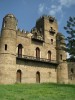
[
  {"x": 48, "y": 72},
  {"x": 71, "y": 72},
  {"x": 11, "y": 66}
]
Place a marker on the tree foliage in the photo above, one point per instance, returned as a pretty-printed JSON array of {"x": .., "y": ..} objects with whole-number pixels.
[{"x": 70, "y": 29}]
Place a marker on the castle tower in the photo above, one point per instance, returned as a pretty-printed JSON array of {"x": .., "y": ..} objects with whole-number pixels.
[
  {"x": 62, "y": 70},
  {"x": 47, "y": 27},
  {"x": 8, "y": 50}
]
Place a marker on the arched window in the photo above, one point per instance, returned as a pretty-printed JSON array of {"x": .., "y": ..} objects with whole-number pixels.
[
  {"x": 37, "y": 52},
  {"x": 49, "y": 55},
  {"x": 19, "y": 75},
  {"x": 37, "y": 77},
  {"x": 20, "y": 50}
]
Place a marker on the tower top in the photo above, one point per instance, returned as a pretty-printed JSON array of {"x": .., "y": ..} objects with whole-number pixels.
[
  {"x": 9, "y": 22},
  {"x": 10, "y": 15},
  {"x": 60, "y": 35},
  {"x": 49, "y": 17}
]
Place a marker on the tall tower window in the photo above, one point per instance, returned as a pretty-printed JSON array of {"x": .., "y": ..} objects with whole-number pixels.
[
  {"x": 49, "y": 55},
  {"x": 5, "y": 46},
  {"x": 37, "y": 52},
  {"x": 61, "y": 56},
  {"x": 20, "y": 50},
  {"x": 51, "y": 41},
  {"x": 5, "y": 22}
]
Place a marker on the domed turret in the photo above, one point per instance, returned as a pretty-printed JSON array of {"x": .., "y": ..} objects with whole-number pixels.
[
  {"x": 60, "y": 45},
  {"x": 8, "y": 48},
  {"x": 62, "y": 70},
  {"x": 10, "y": 22},
  {"x": 10, "y": 15}
]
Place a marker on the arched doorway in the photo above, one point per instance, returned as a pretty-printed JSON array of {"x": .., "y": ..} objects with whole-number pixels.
[
  {"x": 37, "y": 52},
  {"x": 19, "y": 75},
  {"x": 49, "y": 55},
  {"x": 37, "y": 77},
  {"x": 20, "y": 50}
]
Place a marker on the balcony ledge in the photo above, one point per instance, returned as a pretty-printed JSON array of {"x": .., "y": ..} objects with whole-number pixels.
[{"x": 31, "y": 58}]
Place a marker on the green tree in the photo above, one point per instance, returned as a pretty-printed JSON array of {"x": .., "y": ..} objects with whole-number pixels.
[{"x": 70, "y": 40}]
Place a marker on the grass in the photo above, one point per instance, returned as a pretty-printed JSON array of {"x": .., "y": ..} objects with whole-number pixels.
[{"x": 45, "y": 91}]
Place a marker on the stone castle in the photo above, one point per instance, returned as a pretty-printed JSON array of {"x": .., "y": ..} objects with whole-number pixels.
[{"x": 33, "y": 57}]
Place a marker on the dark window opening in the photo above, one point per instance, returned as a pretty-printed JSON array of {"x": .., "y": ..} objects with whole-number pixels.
[
  {"x": 49, "y": 55},
  {"x": 51, "y": 28},
  {"x": 51, "y": 19},
  {"x": 52, "y": 31},
  {"x": 5, "y": 46},
  {"x": 61, "y": 57},
  {"x": 51, "y": 41},
  {"x": 20, "y": 50},
  {"x": 37, "y": 52},
  {"x": 72, "y": 70},
  {"x": 37, "y": 77}
]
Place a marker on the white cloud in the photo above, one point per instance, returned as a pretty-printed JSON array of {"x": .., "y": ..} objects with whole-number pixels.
[
  {"x": 55, "y": 9},
  {"x": 67, "y": 3},
  {"x": 41, "y": 8},
  {"x": 58, "y": 8}
]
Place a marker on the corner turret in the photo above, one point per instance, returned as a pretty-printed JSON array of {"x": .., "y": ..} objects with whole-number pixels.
[
  {"x": 10, "y": 22},
  {"x": 8, "y": 48},
  {"x": 62, "y": 70}
]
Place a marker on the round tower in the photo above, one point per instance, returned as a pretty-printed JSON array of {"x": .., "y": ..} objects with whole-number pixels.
[
  {"x": 8, "y": 49},
  {"x": 62, "y": 70}
]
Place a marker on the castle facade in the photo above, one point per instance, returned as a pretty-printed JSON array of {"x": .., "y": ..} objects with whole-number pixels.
[{"x": 32, "y": 57}]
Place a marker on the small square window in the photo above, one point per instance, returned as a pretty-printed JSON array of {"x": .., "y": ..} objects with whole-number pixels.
[{"x": 5, "y": 46}]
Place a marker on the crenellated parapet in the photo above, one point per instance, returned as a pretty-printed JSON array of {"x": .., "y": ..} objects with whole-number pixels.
[
  {"x": 23, "y": 33},
  {"x": 48, "y": 17}
]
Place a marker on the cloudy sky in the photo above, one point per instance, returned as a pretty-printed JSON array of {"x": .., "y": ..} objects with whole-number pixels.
[{"x": 28, "y": 11}]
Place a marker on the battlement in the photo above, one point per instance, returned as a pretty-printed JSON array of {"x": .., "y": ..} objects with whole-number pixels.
[
  {"x": 48, "y": 17},
  {"x": 23, "y": 33}
]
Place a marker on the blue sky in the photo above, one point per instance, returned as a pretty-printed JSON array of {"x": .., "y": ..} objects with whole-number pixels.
[{"x": 28, "y": 11}]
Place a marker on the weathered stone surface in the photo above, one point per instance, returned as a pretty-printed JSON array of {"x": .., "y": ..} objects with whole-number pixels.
[{"x": 24, "y": 69}]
